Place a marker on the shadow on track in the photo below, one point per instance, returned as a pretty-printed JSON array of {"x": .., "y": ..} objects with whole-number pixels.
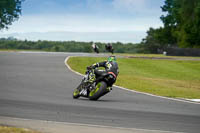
[{"x": 100, "y": 100}]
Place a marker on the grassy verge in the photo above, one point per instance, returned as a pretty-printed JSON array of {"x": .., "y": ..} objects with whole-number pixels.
[
  {"x": 19, "y": 50},
  {"x": 156, "y": 55},
  {"x": 170, "y": 78},
  {"x": 5, "y": 129}
]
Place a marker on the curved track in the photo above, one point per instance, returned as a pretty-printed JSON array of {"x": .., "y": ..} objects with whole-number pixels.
[{"x": 39, "y": 86}]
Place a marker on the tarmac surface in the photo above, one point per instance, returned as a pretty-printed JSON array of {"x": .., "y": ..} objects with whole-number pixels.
[{"x": 39, "y": 86}]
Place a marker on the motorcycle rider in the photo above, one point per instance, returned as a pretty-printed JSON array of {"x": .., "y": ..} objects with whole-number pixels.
[
  {"x": 95, "y": 48},
  {"x": 109, "y": 48},
  {"x": 110, "y": 66}
]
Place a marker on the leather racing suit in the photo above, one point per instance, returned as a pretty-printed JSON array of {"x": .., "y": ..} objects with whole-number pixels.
[{"x": 110, "y": 66}]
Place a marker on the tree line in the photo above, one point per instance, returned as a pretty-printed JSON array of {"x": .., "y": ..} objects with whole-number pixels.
[{"x": 66, "y": 46}]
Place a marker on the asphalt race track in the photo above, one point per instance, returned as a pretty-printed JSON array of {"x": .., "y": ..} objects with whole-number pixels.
[{"x": 39, "y": 86}]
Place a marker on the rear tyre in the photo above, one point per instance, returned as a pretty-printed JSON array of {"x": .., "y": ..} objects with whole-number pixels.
[{"x": 99, "y": 91}]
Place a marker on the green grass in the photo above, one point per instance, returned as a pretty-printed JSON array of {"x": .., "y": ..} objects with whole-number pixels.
[
  {"x": 156, "y": 55},
  {"x": 5, "y": 129},
  {"x": 18, "y": 50},
  {"x": 170, "y": 78}
]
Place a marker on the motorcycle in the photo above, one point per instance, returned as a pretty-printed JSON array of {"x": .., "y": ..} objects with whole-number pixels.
[{"x": 92, "y": 88}]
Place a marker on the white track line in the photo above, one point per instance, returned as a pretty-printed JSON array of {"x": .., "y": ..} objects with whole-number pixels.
[{"x": 194, "y": 101}]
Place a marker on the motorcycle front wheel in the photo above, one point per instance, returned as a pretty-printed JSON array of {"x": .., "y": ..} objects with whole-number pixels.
[{"x": 76, "y": 93}]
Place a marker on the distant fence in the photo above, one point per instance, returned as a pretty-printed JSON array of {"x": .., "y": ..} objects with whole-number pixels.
[{"x": 183, "y": 52}]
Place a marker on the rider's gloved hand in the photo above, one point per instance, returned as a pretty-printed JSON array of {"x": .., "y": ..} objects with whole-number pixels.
[{"x": 89, "y": 67}]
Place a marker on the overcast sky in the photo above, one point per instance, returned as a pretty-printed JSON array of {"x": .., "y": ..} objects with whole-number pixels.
[{"x": 131, "y": 18}]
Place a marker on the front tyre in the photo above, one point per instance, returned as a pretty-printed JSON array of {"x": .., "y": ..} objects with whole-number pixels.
[
  {"x": 76, "y": 93},
  {"x": 99, "y": 91}
]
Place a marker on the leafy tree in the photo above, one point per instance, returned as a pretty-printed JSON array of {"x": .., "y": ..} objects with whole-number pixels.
[
  {"x": 189, "y": 29},
  {"x": 173, "y": 18},
  {"x": 158, "y": 40},
  {"x": 183, "y": 17},
  {"x": 9, "y": 12}
]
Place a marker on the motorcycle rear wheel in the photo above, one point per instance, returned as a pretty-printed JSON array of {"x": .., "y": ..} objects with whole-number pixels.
[{"x": 99, "y": 91}]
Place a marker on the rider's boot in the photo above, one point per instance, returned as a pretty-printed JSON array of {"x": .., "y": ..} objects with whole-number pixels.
[
  {"x": 109, "y": 88},
  {"x": 92, "y": 79}
]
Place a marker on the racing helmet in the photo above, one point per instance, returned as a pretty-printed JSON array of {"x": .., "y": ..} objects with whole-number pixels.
[{"x": 111, "y": 58}]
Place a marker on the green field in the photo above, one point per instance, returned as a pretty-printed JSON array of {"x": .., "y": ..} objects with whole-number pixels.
[
  {"x": 170, "y": 78},
  {"x": 156, "y": 56}
]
